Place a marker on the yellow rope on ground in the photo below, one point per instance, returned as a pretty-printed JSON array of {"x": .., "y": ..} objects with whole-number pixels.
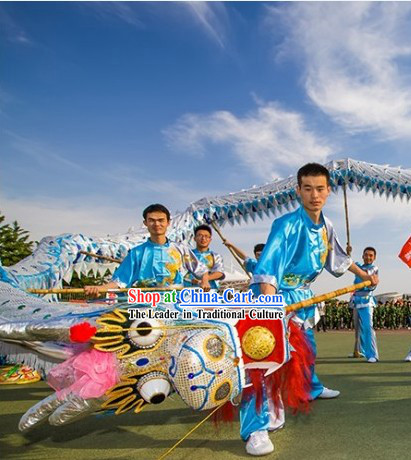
[{"x": 190, "y": 432}]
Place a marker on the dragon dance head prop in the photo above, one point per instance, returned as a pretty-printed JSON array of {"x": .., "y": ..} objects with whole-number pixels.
[
  {"x": 200, "y": 360},
  {"x": 107, "y": 360}
]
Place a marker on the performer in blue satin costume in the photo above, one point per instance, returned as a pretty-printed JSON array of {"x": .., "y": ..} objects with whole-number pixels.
[
  {"x": 213, "y": 261},
  {"x": 296, "y": 252},
  {"x": 209, "y": 258},
  {"x": 301, "y": 244},
  {"x": 150, "y": 264},
  {"x": 157, "y": 262},
  {"x": 363, "y": 304}
]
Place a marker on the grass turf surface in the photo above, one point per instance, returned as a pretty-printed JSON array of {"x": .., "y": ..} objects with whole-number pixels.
[{"x": 370, "y": 420}]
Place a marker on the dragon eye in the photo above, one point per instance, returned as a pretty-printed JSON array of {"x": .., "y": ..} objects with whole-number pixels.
[
  {"x": 154, "y": 387},
  {"x": 145, "y": 333}
]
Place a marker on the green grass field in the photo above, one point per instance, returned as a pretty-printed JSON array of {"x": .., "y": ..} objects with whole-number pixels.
[{"x": 370, "y": 420}]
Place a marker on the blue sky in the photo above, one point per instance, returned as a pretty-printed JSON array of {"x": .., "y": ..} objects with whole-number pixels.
[{"x": 107, "y": 107}]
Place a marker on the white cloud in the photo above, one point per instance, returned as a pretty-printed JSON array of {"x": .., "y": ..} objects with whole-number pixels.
[
  {"x": 213, "y": 19},
  {"x": 356, "y": 57},
  {"x": 210, "y": 18},
  {"x": 269, "y": 140}
]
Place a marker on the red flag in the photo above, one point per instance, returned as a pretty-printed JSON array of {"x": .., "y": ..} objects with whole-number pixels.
[{"x": 405, "y": 254}]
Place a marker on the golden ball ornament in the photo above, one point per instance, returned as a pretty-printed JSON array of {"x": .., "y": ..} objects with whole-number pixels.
[{"x": 258, "y": 343}]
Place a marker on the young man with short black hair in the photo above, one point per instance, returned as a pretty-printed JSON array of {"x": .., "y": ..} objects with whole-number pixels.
[{"x": 212, "y": 260}]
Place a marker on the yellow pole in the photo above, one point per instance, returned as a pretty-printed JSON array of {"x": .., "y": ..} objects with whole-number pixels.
[
  {"x": 217, "y": 229},
  {"x": 97, "y": 256},
  {"x": 347, "y": 223},
  {"x": 327, "y": 296},
  {"x": 81, "y": 290}
]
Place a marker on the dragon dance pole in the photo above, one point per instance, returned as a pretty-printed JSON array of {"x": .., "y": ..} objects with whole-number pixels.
[
  {"x": 217, "y": 229},
  {"x": 98, "y": 256},
  {"x": 104, "y": 291},
  {"x": 292, "y": 307},
  {"x": 327, "y": 296},
  {"x": 347, "y": 223}
]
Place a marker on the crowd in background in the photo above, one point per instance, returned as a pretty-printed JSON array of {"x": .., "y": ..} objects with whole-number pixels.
[{"x": 388, "y": 315}]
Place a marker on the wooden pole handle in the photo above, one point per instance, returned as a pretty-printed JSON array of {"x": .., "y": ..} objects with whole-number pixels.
[
  {"x": 103, "y": 291},
  {"x": 327, "y": 296},
  {"x": 98, "y": 256},
  {"x": 217, "y": 229}
]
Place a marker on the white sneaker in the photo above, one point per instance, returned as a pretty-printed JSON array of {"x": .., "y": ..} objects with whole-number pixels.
[
  {"x": 408, "y": 358},
  {"x": 372, "y": 360},
  {"x": 328, "y": 394},
  {"x": 259, "y": 444}
]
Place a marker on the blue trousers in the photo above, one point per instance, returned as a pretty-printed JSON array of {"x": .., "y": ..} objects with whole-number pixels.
[
  {"x": 269, "y": 417},
  {"x": 366, "y": 342},
  {"x": 316, "y": 386},
  {"x": 308, "y": 315},
  {"x": 252, "y": 420}
]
